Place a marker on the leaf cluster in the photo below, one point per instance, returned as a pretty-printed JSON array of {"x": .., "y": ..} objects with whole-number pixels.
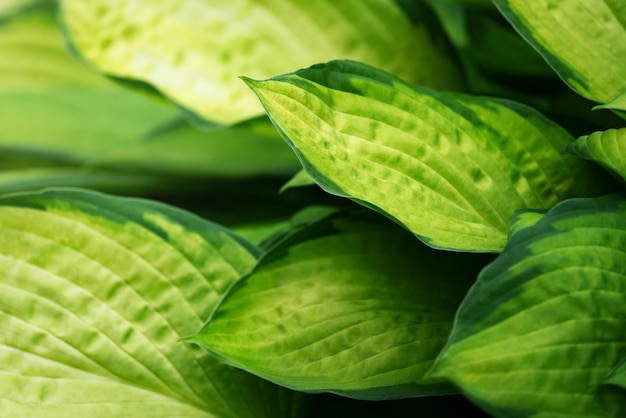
[{"x": 375, "y": 207}]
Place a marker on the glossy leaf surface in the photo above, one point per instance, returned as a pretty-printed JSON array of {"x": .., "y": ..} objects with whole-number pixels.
[
  {"x": 95, "y": 294},
  {"x": 583, "y": 40},
  {"x": 451, "y": 168},
  {"x": 352, "y": 304},
  {"x": 545, "y": 323},
  {"x": 607, "y": 148}
]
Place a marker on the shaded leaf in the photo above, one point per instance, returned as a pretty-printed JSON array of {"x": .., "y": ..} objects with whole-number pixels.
[
  {"x": 618, "y": 375},
  {"x": 225, "y": 39},
  {"x": 300, "y": 179},
  {"x": 583, "y": 40},
  {"x": 607, "y": 148},
  {"x": 97, "y": 291},
  {"x": 544, "y": 324},
  {"x": 451, "y": 168},
  {"x": 352, "y": 304},
  {"x": 247, "y": 149}
]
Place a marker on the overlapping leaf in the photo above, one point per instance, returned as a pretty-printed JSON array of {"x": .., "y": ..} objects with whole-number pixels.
[
  {"x": 607, "y": 148},
  {"x": 194, "y": 51},
  {"x": 545, "y": 323},
  {"x": 51, "y": 105},
  {"x": 451, "y": 168},
  {"x": 95, "y": 294},
  {"x": 583, "y": 40},
  {"x": 351, "y": 304},
  {"x": 242, "y": 150}
]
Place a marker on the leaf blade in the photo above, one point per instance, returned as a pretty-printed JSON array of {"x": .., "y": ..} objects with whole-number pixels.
[
  {"x": 543, "y": 325},
  {"x": 227, "y": 40},
  {"x": 339, "y": 307},
  {"x": 464, "y": 163},
  {"x": 97, "y": 291}
]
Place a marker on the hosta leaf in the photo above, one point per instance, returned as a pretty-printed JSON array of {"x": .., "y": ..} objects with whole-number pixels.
[
  {"x": 451, "y": 168},
  {"x": 607, "y": 148},
  {"x": 97, "y": 291},
  {"x": 194, "y": 51},
  {"x": 300, "y": 179},
  {"x": 50, "y": 104},
  {"x": 545, "y": 323},
  {"x": 618, "y": 375},
  {"x": 247, "y": 149},
  {"x": 583, "y": 40},
  {"x": 352, "y": 304}
]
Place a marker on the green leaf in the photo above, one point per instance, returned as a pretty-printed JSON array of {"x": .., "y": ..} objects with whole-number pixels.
[
  {"x": 11, "y": 8},
  {"x": 300, "y": 179},
  {"x": 617, "y": 376},
  {"x": 251, "y": 148},
  {"x": 544, "y": 324},
  {"x": 583, "y": 40},
  {"x": 449, "y": 167},
  {"x": 352, "y": 304},
  {"x": 193, "y": 51},
  {"x": 97, "y": 291},
  {"x": 18, "y": 180},
  {"x": 53, "y": 106},
  {"x": 607, "y": 148}
]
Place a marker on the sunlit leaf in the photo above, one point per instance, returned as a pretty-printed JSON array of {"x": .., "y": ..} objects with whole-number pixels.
[
  {"x": 50, "y": 104},
  {"x": 545, "y": 323},
  {"x": 193, "y": 51},
  {"x": 583, "y": 40},
  {"x": 607, "y": 148},
  {"x": 97, "y": 291},
  {"x": 352, "y": 304},
  {"x": 451, "y": 168}
]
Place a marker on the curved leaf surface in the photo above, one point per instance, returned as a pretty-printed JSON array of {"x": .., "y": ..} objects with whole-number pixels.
[
  {"x": 618, "y": 375},
  {"x": 193, "y": 51},
  {"x": 451, "y": 168},
  {"x": 607, "y": 148},
  {"x": 251, "y": 148},
  {"x": 95, "y": 293},
  {"x": 583, "y": 40},
  {"x": 52, "y": 105},
  {"x": 351, "y": 305},
  {"x": 545, "y": 322}
]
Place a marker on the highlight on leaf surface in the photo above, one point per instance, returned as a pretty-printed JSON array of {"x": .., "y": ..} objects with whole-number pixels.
[
  {"x": 352, "y": 304},
  {"x": 451, "y": 168},
  {"x": 193, "y": 51},
  {"x": 543, "y": 326},
  {"x": 583, "y": 40},
  {"x": 95, "y": 293}
]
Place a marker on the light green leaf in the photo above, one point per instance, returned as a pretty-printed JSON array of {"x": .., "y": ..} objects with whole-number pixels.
[
  {"x": 250, "y": 148},
  {"x": 51, "y": 105},
  {"x": 451, "y": 168},
  {"x": 95, "y": 293},
  {"x": 618, "y": 105},
  {"x": 544, "y": 324},
  {"x": 193, "y": 51},
  {"x": 583, "y": 40},
  {"x": 524, "y": 218},
  {"x": 353, "y": 305},
  {"x": 607, "y": 148}
]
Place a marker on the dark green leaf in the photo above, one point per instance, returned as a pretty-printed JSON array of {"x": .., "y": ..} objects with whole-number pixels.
[
  {"x": 352, "y": 305},
  {"x": 545, "y": 323}
]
